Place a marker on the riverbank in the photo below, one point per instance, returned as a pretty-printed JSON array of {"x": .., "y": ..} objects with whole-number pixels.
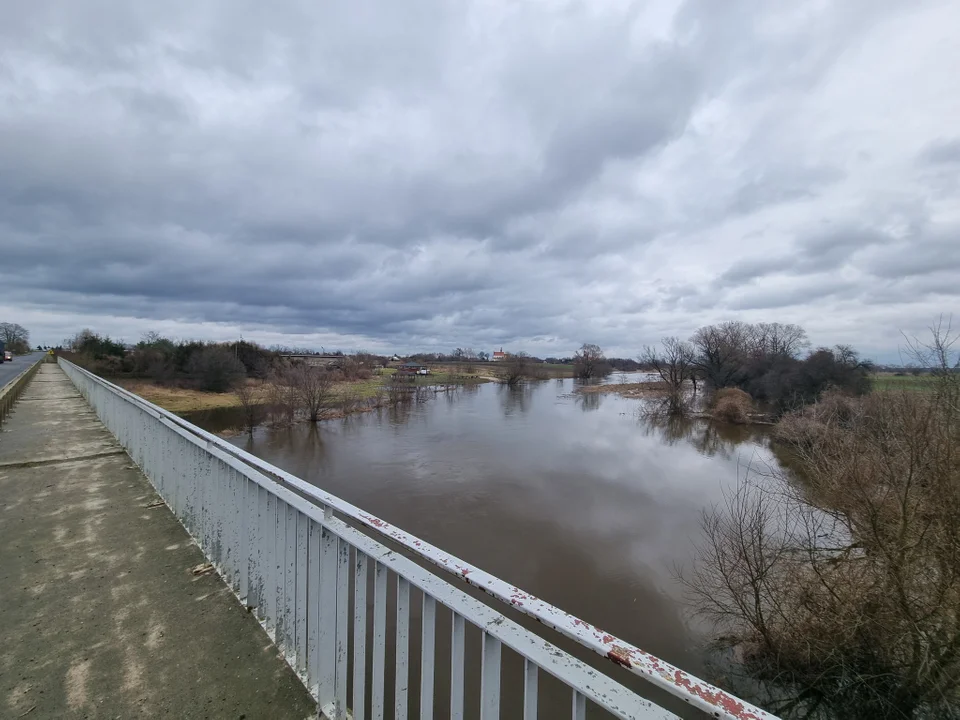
[
  {"x": 628, "y": 390},
  {"x": 657, "y": 389},
  {"x": 347, "y": 394}
]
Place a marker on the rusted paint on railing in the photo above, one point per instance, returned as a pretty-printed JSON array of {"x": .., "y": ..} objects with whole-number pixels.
[{"x": 689, "y": 688}]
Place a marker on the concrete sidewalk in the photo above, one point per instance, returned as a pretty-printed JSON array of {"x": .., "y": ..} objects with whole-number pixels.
[{"x": 100, "y": 614}]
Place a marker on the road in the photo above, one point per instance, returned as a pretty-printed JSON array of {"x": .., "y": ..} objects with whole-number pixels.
[{"x": 9, "y": 370}]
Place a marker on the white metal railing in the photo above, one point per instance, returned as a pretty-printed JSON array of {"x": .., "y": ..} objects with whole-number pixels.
[{"x": 309, "y": 577}]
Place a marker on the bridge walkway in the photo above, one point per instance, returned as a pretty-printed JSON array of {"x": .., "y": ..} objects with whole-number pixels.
[{"x": 102, "y": 614}]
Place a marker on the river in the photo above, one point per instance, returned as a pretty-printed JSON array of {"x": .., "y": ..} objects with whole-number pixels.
[{"x": 573, "y": 497}]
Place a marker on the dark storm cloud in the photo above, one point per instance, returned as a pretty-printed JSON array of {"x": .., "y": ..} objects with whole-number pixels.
[
  {"x": 819, "y": 253},
  {"x": 934, "y": 256},
  {"x": 429, "y": 174},
  {"x": 805, "y": 293}
]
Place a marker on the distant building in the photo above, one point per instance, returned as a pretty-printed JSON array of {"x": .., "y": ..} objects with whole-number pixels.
[
  {"x": 412, "y": 368},
  {"x": 499, "y": 354}
]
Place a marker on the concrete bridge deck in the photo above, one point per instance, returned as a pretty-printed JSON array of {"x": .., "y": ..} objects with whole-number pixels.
[{"x": 101, "y": 615}]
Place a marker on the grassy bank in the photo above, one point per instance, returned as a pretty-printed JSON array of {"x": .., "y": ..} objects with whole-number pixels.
[
  {"x": 185, "y": 400},
  {"x": 179, "y": 400},
  {"x": 889, "y": 381},
  {"x": 633, "y": 390}
]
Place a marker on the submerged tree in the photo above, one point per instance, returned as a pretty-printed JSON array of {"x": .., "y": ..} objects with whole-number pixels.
[
  {"x": 589, "y": 362},
  {"x": 313, "y": 389},
  {"x": 516, "y": 368},
  {"x": 673, "y": 362}
]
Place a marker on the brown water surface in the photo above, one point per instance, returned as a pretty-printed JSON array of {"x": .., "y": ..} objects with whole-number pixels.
[{"x": 572, "y": 497}]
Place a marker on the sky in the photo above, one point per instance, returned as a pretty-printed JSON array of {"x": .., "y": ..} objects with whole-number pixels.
[{"x": 431, "y": 174}]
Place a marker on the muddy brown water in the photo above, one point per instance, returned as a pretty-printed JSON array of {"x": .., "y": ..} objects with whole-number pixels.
[{"x": 574, "y": 498}]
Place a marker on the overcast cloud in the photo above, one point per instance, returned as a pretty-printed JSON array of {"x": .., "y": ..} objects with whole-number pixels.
[{"x": 429, "y": 174}]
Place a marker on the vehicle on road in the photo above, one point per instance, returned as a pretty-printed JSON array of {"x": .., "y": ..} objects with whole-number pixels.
[{"x": 7, "y": 356}]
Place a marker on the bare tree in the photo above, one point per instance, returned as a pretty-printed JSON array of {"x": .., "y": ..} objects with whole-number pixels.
[
  {"x": 151, "y": 337},
  {"x": 401, "y": 389},
  {"x": 776, "y": 339},
  {"x": 251, "y": 404},
  {"x": 469, "y": 358},
  {"x": 842, "y": 594},
  {"x": 940, "y": 357},
  {"x": 16, "y": 337},
  {"x": 719, "y": 352},
  {"x": 589, "y": 362},
  {"x": 280, "y": 400},
  {"x": 515, "y": 368},
  {"x": 674, "y": 364},
  {"x": 313, "y": 389}
]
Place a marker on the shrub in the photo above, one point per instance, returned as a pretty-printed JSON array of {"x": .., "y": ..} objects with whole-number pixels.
[
  {"x": 312, "y": 389},
  {"x": 216, "y": 368},
  {"x": 808, "y": 426},
  {"x": 840, "y": 586},
  {"x": 732, "y": 405},
  {"x": 106, "y": 366}
]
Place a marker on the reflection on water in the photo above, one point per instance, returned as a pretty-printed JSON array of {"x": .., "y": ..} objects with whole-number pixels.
[
  {"x": 709, "y": 438},
  {"x": 516, "y": 399},
  {"x": 574, "y": 497}
]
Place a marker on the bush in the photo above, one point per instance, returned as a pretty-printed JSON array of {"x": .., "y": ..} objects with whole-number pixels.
[
  {"x": 312, "y": 389},
  {"x": 732, "y": 405},
  {"x": 840, "y": 586},
  {"x": 106, "y": 366},
  {"x": 808, "y": 426},
  {"x": 217, "y": 369},
  {"x": 256, "y": 360}
]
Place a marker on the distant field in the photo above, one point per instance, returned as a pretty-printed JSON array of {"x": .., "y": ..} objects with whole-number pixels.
[{"x": 888, "y": 381}]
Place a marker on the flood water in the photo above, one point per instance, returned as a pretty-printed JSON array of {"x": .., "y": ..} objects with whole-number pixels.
[{"x": 573, "y": 497}]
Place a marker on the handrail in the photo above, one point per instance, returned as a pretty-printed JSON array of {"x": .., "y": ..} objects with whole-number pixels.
[
  {"x": 10, "y": 393},
  {"x": 698, "y": 693}
]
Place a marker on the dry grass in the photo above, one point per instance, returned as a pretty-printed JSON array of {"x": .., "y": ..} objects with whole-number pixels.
[
  {"x": 181, "y": 400},
  {"x": 732, "y": 405},
  {"x": 177, "y": 399},
  {"x": 632, "y": 390}
]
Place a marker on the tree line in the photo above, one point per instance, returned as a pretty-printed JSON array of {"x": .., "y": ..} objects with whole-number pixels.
[
  {"x": 210, "y": 366},
  {"x": 468, "y": 355},
  {"x": 769, "y": 362}
]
